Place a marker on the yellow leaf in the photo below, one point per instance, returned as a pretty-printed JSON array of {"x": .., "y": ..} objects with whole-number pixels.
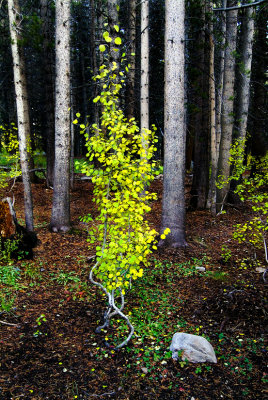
[{"x": 118, "y": 41}]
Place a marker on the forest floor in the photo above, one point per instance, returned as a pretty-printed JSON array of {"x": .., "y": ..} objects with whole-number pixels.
[{"x": 49, "y": 347}]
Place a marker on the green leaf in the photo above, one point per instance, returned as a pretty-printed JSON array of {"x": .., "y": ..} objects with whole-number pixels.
[{"x": 116, "y": 27}]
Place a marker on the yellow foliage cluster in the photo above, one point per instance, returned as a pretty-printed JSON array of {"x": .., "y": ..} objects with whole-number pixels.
[
  {"x": 10, "y": 150},
  {"x": 125, "y": 170}
]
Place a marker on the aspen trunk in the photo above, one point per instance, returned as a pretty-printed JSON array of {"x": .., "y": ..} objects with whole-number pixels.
[
  {"x": 144, "y": 95},
  {"x": 60, "y": 218},
  {"x": 173, "y": 208},
  {"x": 243, "y": 89},
  {"x": 130, "y": 90},
  {"x": 22, "y": 109},
  {"x": 227, "y": 104},
  {"x": 211, "y": 202},
  {"x": 219, "y": 89}
]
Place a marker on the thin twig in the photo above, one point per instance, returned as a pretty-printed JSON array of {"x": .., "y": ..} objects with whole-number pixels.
[
  {"x": 241, "y": 6},
  {"x": 9, "y": 323}
]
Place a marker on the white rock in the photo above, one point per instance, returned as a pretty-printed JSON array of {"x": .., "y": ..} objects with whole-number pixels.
[
  {"x": 201, "y": 269},
  {"x": 195, "y": 349},
  {"x": 260, "y": 270}
]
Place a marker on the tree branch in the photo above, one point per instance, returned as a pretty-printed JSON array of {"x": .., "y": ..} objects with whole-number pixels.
[{"x": 242, "y": 6}]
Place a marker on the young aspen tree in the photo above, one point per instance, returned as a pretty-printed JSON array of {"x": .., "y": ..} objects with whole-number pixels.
[{"x": 125, "y": 239}]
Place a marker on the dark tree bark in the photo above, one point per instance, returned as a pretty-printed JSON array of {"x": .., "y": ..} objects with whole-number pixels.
[
  {"x": 49, "y": 74},
  {"x": 201, "y": 86}
]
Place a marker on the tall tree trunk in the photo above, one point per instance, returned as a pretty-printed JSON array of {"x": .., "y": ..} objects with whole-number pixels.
[
  {"x": 130, "y": 90},
  {"x": 211, "y": 202},
  {"x": 259, "y": 110},
  {"x": 219, "y": 81},
  {"x": 200, "y": 173},
  {"x": 60, "y": 218},
  {"x": 112, "y": 21},
  {"x": 144, "y": 95},
  {"x": 227, "y": 104},
  {"x": 48, "y": 57},
  {"x": 173, "y": 208},
  {"x": 94, "y": 59},
  {"x": 243, "y": 82},
  {"x": 22, "y": 108}
]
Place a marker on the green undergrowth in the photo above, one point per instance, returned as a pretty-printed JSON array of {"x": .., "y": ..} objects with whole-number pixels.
[{"x": 157, "y": 311}]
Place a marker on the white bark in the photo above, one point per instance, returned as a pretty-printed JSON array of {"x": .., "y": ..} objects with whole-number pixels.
[
  {"x": 144, "y": 95},
  {"x": 227, "y": 119},
  {"x": 220, "y": 82},
  {"x": 22, "y": 108},
  {"x": 243, "y": 92},
  {"x": 60, "y": 219},
  {"x": 130, "y": 106},
  {"x": 211, "y": 203},
  {"x": 173, "y": 209}
]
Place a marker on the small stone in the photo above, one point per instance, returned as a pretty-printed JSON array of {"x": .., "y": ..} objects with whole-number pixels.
[
  {"x": 260, "y": 270},
  {"x": 144, "y": 370},
  {"x": 201, "y": 269},
  {"x": 195, "y": 349}
]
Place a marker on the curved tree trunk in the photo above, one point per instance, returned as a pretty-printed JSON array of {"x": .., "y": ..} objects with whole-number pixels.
[
  {"x": 60, "y": 218},
  {"x": 173, "y": 208},
  {"x": 22, "y": 109}
]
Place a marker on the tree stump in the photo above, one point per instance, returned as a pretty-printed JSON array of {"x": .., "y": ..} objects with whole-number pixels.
[{"x": 11, "y": 230}]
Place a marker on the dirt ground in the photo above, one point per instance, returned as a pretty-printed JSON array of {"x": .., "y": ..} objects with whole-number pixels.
[{"x": 48, "y": 345}]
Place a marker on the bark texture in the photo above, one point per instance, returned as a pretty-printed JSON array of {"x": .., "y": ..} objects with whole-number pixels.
[
  {"x": 211, "y": 202},
  {"x": 60, "y": 218},
  {"x": 49, "y": 89},
  {"x": 144, "y": 97},
  {"x": 130, "y": 89},
  {"x": 22, "y": 108},
  {"x": 243, "y": 88},
  {"x": 113, "y": 20},
  {"x": 227, "y": 118},
  {"x": 173, "y": 211},
  {"x": 201, "y": 124}
]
